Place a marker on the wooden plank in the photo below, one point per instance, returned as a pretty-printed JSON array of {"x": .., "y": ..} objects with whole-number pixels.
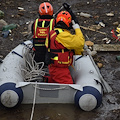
[{"x": 106, "y": 47}]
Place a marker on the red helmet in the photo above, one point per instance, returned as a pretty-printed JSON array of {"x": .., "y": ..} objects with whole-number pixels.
[
  {"x": 45, "y": 9},
  {"x": 65, "y": 17}
]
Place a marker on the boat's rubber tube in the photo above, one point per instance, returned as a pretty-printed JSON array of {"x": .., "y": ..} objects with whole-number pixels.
[
  {"x": 10, "y": 96},
  {"x": 11, "y": 75},
  {"x": 88, "y": 99},
  {"x": 85, "y": 75}
]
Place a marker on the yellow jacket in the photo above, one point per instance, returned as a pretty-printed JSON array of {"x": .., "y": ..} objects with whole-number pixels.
[{"x": 71, "y": 42}]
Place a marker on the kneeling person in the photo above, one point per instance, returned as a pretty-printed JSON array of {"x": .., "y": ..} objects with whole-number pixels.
[{"x": 61, "y": 46}]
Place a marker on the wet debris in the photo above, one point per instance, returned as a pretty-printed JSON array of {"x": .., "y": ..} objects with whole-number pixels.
[
  {"x": 90, "y": 46},
  {"x": 28, "y": 33},
  {"x": 100, "y": 65},
  {"x": 20, "y": 8},
  {"x": 1, "y": 56},
  {"x": 6, "y": 29},
  {"x": 85, "y": 15},
  {"x": 116, "y": 23},
  {"x": 100, "y": 23},
  {"x": 6, "y": 33},
  {"x": 110, "y": 14},
  {"x": 93, "y": 53},
  {"x": 1, "y": 14},
  {"x": 116, "y": 33},
  {"x": 2, "y": 23},
  {"x": 89, "y": 43},
  {"x": 20, "y": 14},
  {"x": 93, "y": 29},
  {"x": 94, "y": 0},
  {"x": 118, "y": 58},
  {"x": 106, "y": 47},
  {"x": 106, "y": 40}
]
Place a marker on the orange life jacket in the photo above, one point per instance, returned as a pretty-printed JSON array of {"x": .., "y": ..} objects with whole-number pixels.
[
  {"x": 40, "y": 33},
  {"x": 57, "y": 54}
]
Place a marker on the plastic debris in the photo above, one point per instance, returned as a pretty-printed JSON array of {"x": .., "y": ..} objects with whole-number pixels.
[
  {"x": 116, "y": 33},
  {"x": 100, "y": 23},
  {"x": 110, "y": 14},
  {"x": 107, "y": 41},
  {"x": 6, "y": 33},
  {"x": 20, "y": 8},
  {"x": 9, "y": 27},
  {"x": 86, "y": 15},
  {"x": 88, "y": 28},
  {"x": 118, "y": 58}
]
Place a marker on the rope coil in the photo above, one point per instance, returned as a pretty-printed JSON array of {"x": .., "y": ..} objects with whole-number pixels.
[{"x": 31, "y": 70}]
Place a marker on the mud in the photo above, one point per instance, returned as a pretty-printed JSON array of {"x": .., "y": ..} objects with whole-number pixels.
[{"x": 110, "y": 108}]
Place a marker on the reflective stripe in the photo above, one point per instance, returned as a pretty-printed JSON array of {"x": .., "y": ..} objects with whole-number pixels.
[
  {"x": 68, "y": 62},
  {"x": 55, "y": 58},
  {"x": 48, "y": 49},
  {"x": 39, "y": 44},
  {"x": 36, "y": 22},
  {"x": 60, "y": 30},
  {"x": 43, "y": 23},
  {"x": 60, "y": 62},
  {"x": 46, "y": 42},
  {"x": 51, "y": 23},
  {"x": 53, "y": 34}
]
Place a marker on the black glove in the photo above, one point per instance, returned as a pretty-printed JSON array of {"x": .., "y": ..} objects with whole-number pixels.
[{"x": 68, "y": 8}]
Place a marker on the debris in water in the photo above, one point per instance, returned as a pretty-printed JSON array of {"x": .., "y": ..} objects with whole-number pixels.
[
  {"x": 106, "y": 40},
  {"x": 110, "y": 14},
  {"x": 86, "y": 15}
]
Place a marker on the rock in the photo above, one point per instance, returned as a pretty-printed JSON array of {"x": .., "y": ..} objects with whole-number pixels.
[
  {"x": 110, "y": 14},
  {"x": 94, "y": 0},
  {"x": 29, "y": 26},
  {"x": 20, "y": 14},
  {"x": 1, "y": 14},
  {"x": 1, "y": 56},
  {"x": 89, "y": 43},
  {"x": 93, "y": 53},
  {"x": 100, "y": 65},
  {"x": 2, "y": 23},
  {"x": 116, "y": 23}
]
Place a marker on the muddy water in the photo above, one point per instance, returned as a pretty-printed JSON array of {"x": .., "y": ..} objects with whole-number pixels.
[{"x": 46, "y": 112}]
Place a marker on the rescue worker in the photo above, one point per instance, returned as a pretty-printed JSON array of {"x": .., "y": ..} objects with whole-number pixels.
[
  {"x": 61, "y": 46},
  {"x": 40, "y": 28}
]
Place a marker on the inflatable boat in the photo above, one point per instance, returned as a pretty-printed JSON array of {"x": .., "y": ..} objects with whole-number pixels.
[{"x": 20, "y": 82}]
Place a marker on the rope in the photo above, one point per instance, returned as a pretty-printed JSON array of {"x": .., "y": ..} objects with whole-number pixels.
[
  {"x": 32, "y": 70},
  {"x": 33, "y": 107}
]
